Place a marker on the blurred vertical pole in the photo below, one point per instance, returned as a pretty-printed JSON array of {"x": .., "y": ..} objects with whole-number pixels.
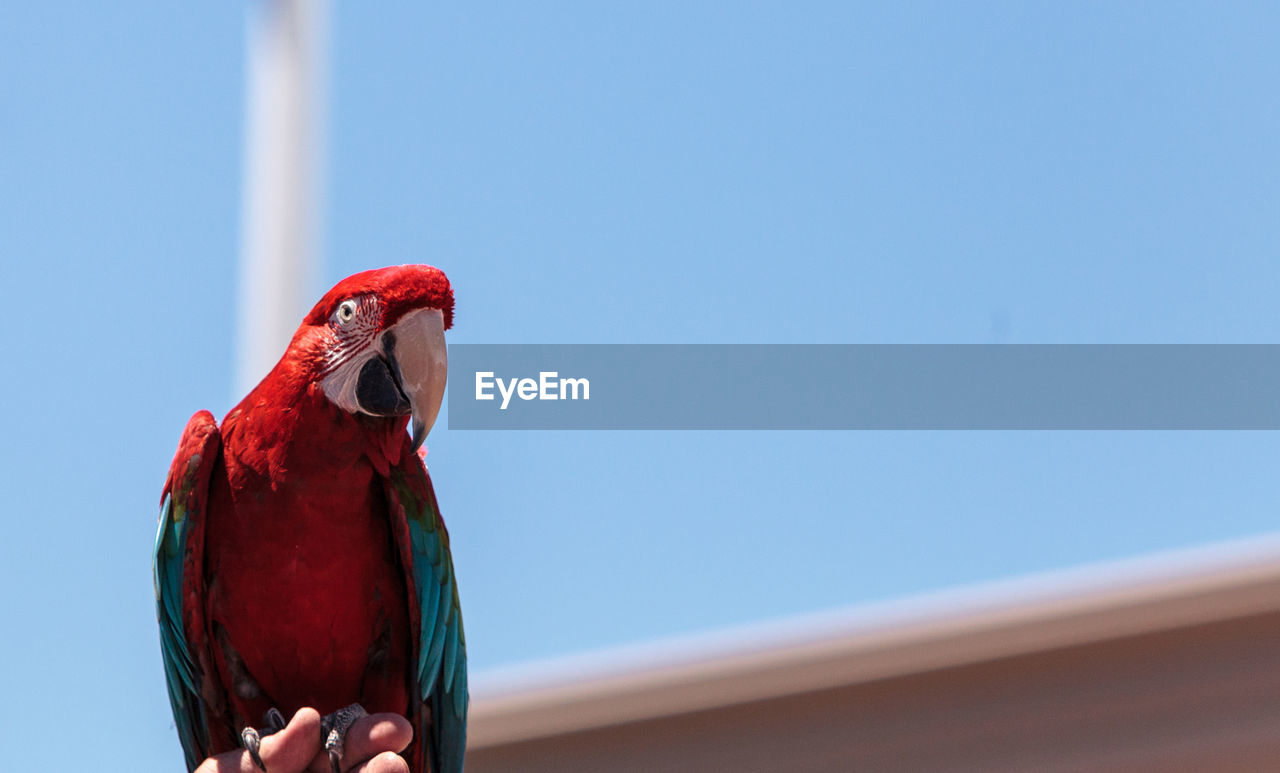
[{"x": 285, "y": 112}]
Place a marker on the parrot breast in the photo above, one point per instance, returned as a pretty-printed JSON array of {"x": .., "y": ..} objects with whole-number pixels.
[{"x": 306, "y": 601}]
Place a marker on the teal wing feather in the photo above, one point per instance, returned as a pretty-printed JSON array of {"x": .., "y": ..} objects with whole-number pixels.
[
  {"x": 181, "y": 517},
  {"x": 442, "y": 647}
]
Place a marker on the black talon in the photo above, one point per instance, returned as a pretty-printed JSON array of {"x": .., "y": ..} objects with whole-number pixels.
[
  {"x": 333, "y": 732},
  {"x": 274, "y": 720},
  {"x": 252, "y": 739}
]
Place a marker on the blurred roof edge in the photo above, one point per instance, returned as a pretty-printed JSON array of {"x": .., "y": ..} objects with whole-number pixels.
[{"x": 865, "y": 643}]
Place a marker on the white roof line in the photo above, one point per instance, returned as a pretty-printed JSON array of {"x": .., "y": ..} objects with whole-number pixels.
[{"x": 876, "y": 641}]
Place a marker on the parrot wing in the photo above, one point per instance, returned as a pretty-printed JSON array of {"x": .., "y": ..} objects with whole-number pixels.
[
  {"x": 179, "y": 540},
  {"x": 441, "y": 646}
]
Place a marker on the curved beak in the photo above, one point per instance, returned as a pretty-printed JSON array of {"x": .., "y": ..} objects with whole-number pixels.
[{"x": 422, "y": 362}]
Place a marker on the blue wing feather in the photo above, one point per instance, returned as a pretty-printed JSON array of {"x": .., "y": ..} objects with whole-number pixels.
[
  {"x": 183, "y": 497},
  {"x": 178, "y": 666},
  {"x": 442, "y": 656}
]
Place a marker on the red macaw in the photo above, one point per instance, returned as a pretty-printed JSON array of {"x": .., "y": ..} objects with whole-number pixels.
[{"x": 301, "y": 559}]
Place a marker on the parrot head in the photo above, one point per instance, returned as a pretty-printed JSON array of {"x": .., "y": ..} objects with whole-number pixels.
[{"x": 374, "y": 344}]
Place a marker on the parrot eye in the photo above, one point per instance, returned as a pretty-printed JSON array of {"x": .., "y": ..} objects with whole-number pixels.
[{"x": 346, "y": 312}]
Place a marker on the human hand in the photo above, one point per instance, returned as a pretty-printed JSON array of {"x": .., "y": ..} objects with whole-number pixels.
[{"x": 372, "y": 744}]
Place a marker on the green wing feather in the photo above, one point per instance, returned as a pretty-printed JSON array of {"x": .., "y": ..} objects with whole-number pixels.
[
  {"x": 442, "y": 648},
  {"x": 180, "y": 512}
]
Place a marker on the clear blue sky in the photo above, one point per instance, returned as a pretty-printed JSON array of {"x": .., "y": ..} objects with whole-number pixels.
[{"x": 659, "y": 172}]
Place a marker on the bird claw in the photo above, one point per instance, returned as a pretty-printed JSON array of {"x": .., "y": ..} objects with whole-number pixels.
[
  {"x": 252, "y": 739},
  {"x": 333, "y": 732}
]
